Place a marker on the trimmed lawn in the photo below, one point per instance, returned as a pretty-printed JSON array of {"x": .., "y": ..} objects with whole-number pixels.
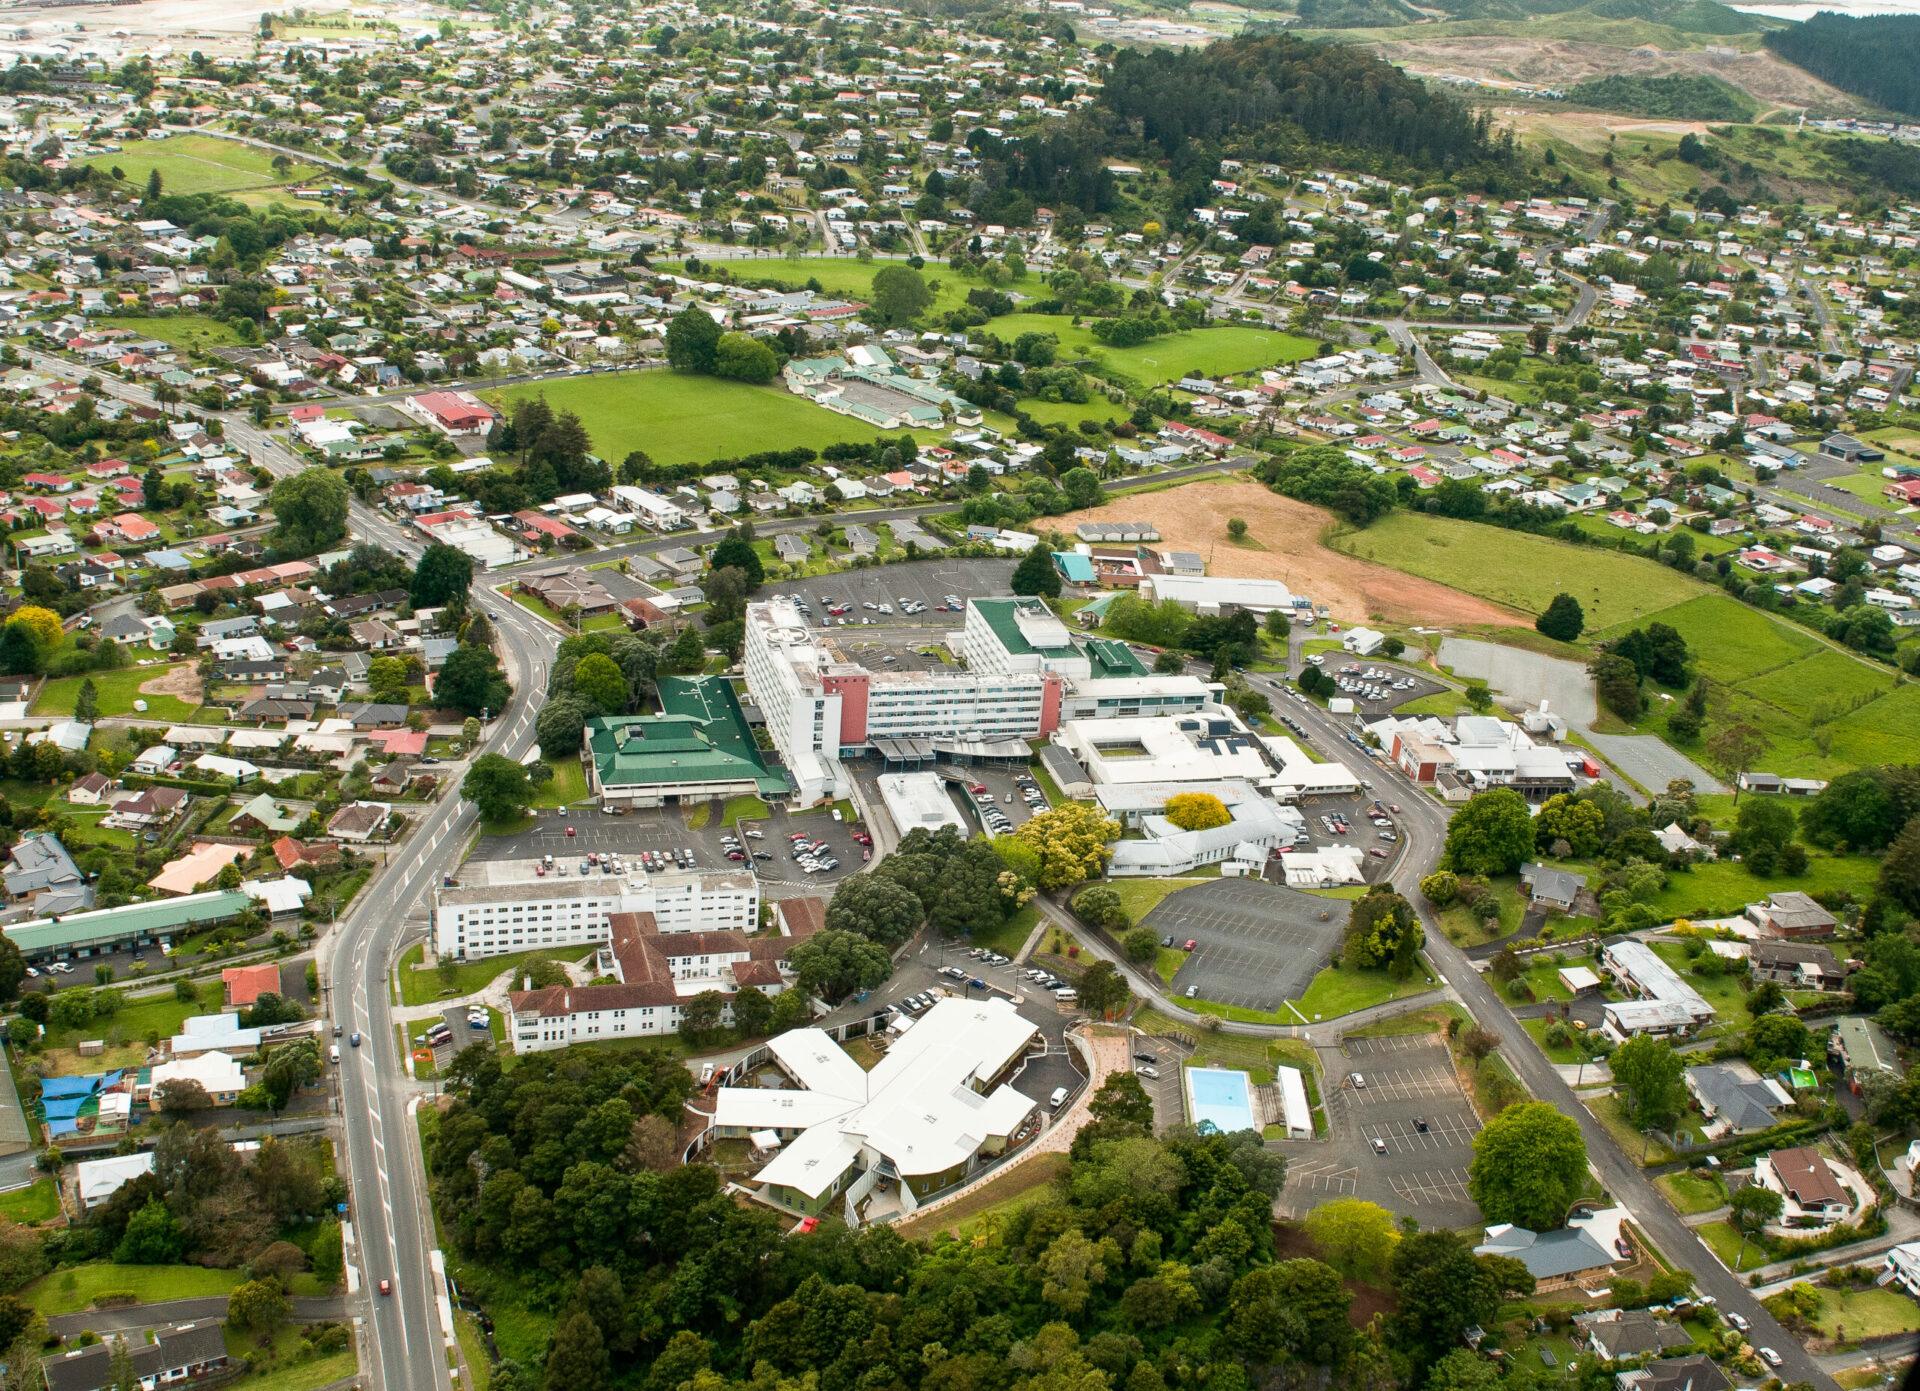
[
  {"x": 116, "y": 692},
  {"x": 1724, "y": 1241},
  {"x": 1141, "y": 896},
  {"x": 1606, "y": 1110},
  {"x": 71, "y": 1290},
  {"x": 1537, "y": 1031},
  {"x": 1338, "y": 990},
  {"x": 1521, "y": 571},
  {"x": 1209, "y": 351},
  {"x": 679, "y": 418},
  {"x": 1858, "y": 1314},
  {"x": 39, "y": 1201},
  {"x": 1167, "y": 962},
  {"x": 424, "y": 987},
  {"x": 1426, "y": 1021},
  {"x": 200, "y": 164},
  {"x": 569, "y": 785},
  {"x": 738, "y": 807},
  {"x": 1729, "y": 1001},
  {"x": 181, "y": 330},
  {"x": 1690, "y": 1193}
]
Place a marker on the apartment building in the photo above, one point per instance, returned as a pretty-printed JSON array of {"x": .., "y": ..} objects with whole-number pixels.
[{"x": 500, "y": 906}]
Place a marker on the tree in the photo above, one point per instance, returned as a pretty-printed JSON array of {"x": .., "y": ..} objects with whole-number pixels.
[
  {"x": 1492, "y": 834},
  {"x": 1763, "y": 821},
  {"x": 1036, "y": 575},
  {"x": 700, "y": 1016},
  {"x": 578, "y": 1357},
  {"x": 900, "y": 293},
  {"x": 1443, "y": 1291},
  {"x": 472, "y": 682},
  {"x": 1287, "y": 1310},
  {"x": 1529, "y": 1164},
  {"x": 693, "y": 340},
  {"x": 1463, "y": 1370},
  {"x": 1357, "y": 1237},
  {"x": 1082, "y": 487},
  {"x": 1755, "y": 1206},
  {"x": 1101, "y": 907},
  {"x": 752, "y": 1012},
  {"x": 1382, "y": 929},
  {"x": 497, "y": 785},
  {"x": 1649, "y": 1072},
  {"x": 43, "y": 624},
  {"x": 561, "y": 723},
  {"x": 1196, "y": 811},
  {"x": 1582, "y": 825},
  {"x": 876, "y": 908},
  {"x": 1618, "y": 682},
  {"x": 726, "y": 591},
  {"x": 152, "y": 1237},
  {"x": 259, "y": 1305},
  {"x": 835, "y": 963},
  {"x": 600, "y": 681},
  {"x": 310, "y": 511},
  {"x": 444, "y": 574},
  {"x": 736, "y": 552},
  {"x": 1855, "y": 810},
  {"x": 1563, "y": 619},
  {"x": 1121, "y": 1106},
  {"x": 744, "y": 358},
  {"x": 121, "y": 1373},
  {"x": 1102, "y": 990},
  {"x": 19, "y": 653},
  {"x": 1279, "y": 626},
  {"x": 86, "y": 705},
  {"x": 1900, "y": 871},
  {"x": 1140, "y": 945},
  {"x": 1072, "y": 840}
]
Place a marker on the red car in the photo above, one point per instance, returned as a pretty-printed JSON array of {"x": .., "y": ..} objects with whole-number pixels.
[
  {"x": 569, "y": 831},
  {"x": 1191, "y": 944},
  {"x": 386, "y": 1287}
]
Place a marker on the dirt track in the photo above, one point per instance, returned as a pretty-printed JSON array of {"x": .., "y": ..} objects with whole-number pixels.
[
  {"x": 181, "y": 681},
  {"x": 1194, "y": 518}
]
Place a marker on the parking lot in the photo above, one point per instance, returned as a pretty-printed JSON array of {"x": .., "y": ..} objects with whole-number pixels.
[
  {"x": 1167, "y": 1058},
  {"x": 1412, "y": 1106},
  {"x": 927, "y": 581},
  {"x": 1370, "y": 683},
  {"x": 998, "y": 782},
  {"x": 1257, "y": 944},
  {"x": 665, "y": 828},
  {"x": 1361, "y": 834},
  {"x": 464, "y": 1035}
]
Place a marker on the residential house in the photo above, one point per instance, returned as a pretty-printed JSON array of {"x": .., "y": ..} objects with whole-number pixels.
[
  {"x": 1552, "y": 888},
  {"x": 1792, "y": 915},
  {"x": 1731, "y": 1102},
  {"x": 1806, "y": 1178},
  {"x": 1858, "y": 1047},
  {"x": 1556, "y": 1259}
]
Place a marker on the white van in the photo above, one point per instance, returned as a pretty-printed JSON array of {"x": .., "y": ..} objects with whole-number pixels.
[
  {"x": 1058, "y": 1099},
  {"x": 1067, "y": 996},
  {"x": 333, "y": 1052}
]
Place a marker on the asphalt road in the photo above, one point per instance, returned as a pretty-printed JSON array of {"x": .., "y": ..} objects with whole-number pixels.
[{"x": 135, "y": 1317}]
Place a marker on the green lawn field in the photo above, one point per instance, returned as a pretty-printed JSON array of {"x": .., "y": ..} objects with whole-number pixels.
[
  {"x": 71, "y": 1290},
  {"x": 1209, "y": 351},
  {"x": 846, "y": 275},
  {"x": 677, "y": 418},
  {"x": 181, "y": 330},
  {"x": 39, "y": 1201},
  {"x": 116, "y": 692},
  {"x": 1730, "y": 641},
  {"x": 201, "y": 164},
  {"x": 1522, "y": 571},
  {"x": 424, "y": 987}
]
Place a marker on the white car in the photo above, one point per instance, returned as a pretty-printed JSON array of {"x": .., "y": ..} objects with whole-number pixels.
[{"x": 1769, "y": 1356}]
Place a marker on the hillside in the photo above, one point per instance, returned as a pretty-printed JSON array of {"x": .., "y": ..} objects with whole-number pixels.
[{"x": 1877, "y": 57}]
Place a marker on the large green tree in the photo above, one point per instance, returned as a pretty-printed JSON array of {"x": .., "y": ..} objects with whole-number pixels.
[
  {"x": 744, "y": 358},
  {"x": 693, "y": 340},
  {"x": 309, "y": 511},
  {"x": 1036, "y": 574},
  {"x": 899, "y": 294},
  {"x": 876, "y": 908},
  {"x": 497, "y": 785},
  {"x": 1563, "y": 619},
  {"x": 1529, "y": 1164},
  {"x": 472, "y": 682},
  {"x": 737, "y": 551},
  {"x": 444, "y": 574},
  {"x": 1383, "y": 930},
  {"x": 834, "y": 962},
  {"x": 600, "y": 681},
  {"x": 1648, "y": 1072},
  {"x": 1491, "y": 834}
]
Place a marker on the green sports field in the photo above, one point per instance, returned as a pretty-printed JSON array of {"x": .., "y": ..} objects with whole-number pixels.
[
  {"x": 200, "y": 164},
  {"x": 1208, "y": 351},
  {"x": 677, "y": 418},
  {"x": 1521, "y": 571}
]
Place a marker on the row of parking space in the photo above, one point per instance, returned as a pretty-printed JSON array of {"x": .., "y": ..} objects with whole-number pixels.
[{"x": 1388, "y": 1085}]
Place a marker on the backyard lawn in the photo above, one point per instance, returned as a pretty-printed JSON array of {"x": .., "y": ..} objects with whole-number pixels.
[
  {"x": 1724, "y": 889},
  {"x": 37, "y": 1202},
  {"x": 279, "y": 1363},
  {"x": 181, "y": 330},
  {"x": 1855, "y": 1314},
  {"x": 116, "y": 692}
]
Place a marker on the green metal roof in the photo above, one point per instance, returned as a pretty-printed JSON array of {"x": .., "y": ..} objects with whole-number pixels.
[
  {"x": 701, "y": 736},
  {"x": 130, "y": 920},
  {"x": 999, "y": 616},
  {"x": 1112, "y": 659}
]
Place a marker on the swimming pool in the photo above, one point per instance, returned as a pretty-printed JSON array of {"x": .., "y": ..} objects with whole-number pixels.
[{"x": 1219, "y": 1098}]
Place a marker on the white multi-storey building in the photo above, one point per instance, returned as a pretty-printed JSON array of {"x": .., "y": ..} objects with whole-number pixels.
[{"x": 500, "y": 906}]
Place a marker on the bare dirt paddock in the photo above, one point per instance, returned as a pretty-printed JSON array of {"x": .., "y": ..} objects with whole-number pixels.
[{"x": 1284, "y": 544}]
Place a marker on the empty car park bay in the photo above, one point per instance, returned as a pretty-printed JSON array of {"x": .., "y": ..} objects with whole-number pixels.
[
  {"x": 1411, "y": 1103},
  {"x": 1256, "y": 945}
]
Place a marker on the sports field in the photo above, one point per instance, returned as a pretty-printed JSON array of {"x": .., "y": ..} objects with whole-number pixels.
[
  {"x": 1208, "y": 351},
  {"x": 1518, "y": 570},
  {"x": 201, "y": 164},
  {"x": 677, "y": 418}
]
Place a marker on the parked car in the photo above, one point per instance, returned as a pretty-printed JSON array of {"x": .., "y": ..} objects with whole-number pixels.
[{"x": 1379, "y": 1145}]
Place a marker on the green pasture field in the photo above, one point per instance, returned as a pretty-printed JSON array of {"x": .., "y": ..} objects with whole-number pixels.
[
  {"x": 1730, "y": 641},
  {"x": 1211, "y": 351},
  {"x": 1521, "y": 571}
]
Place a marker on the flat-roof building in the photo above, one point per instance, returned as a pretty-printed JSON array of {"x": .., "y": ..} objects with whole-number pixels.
[
  {"x": 130, "y": 925},
  {"x": 1666, "y": 1004},
  {"x": 500, "y": 906}
]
